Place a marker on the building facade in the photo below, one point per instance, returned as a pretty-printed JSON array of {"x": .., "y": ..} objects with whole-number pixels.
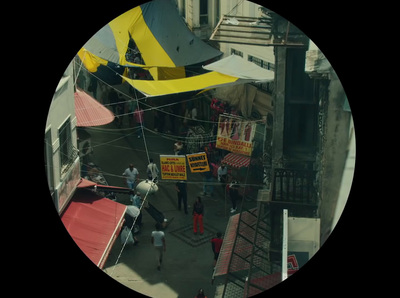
[
  {"x": 61, "y": 154},
  {"x": 202, "y": 16},
  {"x": 311, "y": 133}
]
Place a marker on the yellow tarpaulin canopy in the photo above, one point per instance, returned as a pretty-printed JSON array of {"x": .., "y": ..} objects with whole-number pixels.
[
  {"x": 132, "y": 24},
  {"x": 151, "y": 36},
  {"x": 204, "y": 81},
  {"x": 91, "y": 61}
]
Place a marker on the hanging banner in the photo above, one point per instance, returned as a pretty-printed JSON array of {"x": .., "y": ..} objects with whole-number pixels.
[
  {"x": 173, "y": 167},
  {"x": 235, "y": 134},
  {"x": 198, "y": 162}
]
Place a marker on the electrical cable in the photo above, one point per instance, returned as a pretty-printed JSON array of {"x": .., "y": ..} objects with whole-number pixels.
[{"x": 130, "y": 231}]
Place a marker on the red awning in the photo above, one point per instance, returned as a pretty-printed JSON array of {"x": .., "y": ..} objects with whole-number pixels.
[
  {"x": 89, "y": 112},
  {"x": 93, "y": 223},
  {"x": 236, "y": 160},
  {"x": 225, "y": 253},
  {"x": 228, "y": 262}
]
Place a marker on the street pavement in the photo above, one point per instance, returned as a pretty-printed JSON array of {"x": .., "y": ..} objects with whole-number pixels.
[{"x": 188, "y": 260}]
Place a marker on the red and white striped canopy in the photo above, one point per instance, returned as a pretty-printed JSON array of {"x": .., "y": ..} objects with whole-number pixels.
[
  {"x": 89, "y": 112},
  {"x": 236, "y": 160}
]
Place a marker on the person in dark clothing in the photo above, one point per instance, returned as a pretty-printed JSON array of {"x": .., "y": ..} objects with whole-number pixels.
[
  {"x": 234, "y": 194},
  {"x": 113, "y": 100},
  {"x": 198, "y": 213},
  {"x": 208, "y": 179},
  {"x": 200, "y": 294},
  {"x": 181, "y": 190}
]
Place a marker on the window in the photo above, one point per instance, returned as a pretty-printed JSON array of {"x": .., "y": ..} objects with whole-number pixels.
[
  {"x": 203, "y": 12},
  {"x": 183, "y": 9},
  {"x": 299, "y": 83},
  {"x": 268, "y": 87},
  {"x": 48, "y": 159},
  {"x": 261, "y": 63},
  {"x": 236, "y": 52},
  {"x": 301, "y": 107},
  {"x": 67, "y": 152}
]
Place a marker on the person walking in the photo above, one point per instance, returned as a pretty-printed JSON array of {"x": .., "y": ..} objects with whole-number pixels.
[
  {"x": 208, "y": 180},
  {"x": 233, "y": 194},
  {"x": 222, "y": 174},
  {"x": 159, "y": 243},
  {"x": 181, "y": 190},
  {"x": 131, "y": 174},
  {"x": 198, "y": 213},
  {"x": 138, "y": 115},
  {"x": 200, "y": 294},
  {"x": 137, "y": 201},
  {"x": 216, "y": 244},
  {"x": 152, "y": 171}
]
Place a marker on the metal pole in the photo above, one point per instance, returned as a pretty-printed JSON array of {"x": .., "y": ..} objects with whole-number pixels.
[{"x": 284, "y": 244}]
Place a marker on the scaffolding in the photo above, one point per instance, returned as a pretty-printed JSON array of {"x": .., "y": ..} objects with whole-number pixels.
[{"x": 251, "y": 259}]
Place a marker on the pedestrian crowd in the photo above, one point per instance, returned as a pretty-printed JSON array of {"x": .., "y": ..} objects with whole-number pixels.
[{"x": 158, "y": 239}]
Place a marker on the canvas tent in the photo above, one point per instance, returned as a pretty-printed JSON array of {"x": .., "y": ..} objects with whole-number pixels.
[
  {"x": 165, "y": 87},
  {"x": 236, "y": 66},
  {"x": 244, "y": 97},
  {"x": 155, "y": 32},
  {"x": 229, "y": 71}
]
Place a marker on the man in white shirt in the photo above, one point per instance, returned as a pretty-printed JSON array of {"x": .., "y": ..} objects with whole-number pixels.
[
  {"x": 158, "y": 241},
  {"x": 152, "y": 171},
  {"x": 131, "y": 174}
]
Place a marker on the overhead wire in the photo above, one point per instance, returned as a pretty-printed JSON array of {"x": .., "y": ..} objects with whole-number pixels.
[
  {"x": 142, "y": 102},
  {"x": 130, "y": 231},
  {"x": 150, "y": 107}
]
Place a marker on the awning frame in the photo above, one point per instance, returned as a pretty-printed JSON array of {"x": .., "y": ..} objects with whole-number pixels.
[{"x": 85, "y": 183}]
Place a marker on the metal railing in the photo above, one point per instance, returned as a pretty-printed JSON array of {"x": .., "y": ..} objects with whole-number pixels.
[{"x": 294, "y": 186}]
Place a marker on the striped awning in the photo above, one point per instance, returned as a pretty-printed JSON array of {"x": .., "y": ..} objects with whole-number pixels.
[
  {"x": 225, "y": 254},
  {"x": 236, "y": 160},
  {"x": 89, "y": 112},
  {"x": 225, "y": 263}
]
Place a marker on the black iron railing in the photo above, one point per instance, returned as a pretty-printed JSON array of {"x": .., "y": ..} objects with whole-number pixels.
[{"x": 294, "y": 186}]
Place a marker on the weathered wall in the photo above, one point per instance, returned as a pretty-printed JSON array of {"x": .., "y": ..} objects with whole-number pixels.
[{"x": 335, "y": 136}]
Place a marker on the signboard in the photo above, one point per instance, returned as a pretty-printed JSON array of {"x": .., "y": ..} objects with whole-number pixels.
[
  {"x": 173, "y": 167},
  {"x": 198, "y": 162},
  {"x": 235, "y": 134},
  {"x": 296, "y": 260}
]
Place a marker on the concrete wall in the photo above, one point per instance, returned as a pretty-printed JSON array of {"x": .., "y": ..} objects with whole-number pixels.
[{"x": 334, "y": 151}]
